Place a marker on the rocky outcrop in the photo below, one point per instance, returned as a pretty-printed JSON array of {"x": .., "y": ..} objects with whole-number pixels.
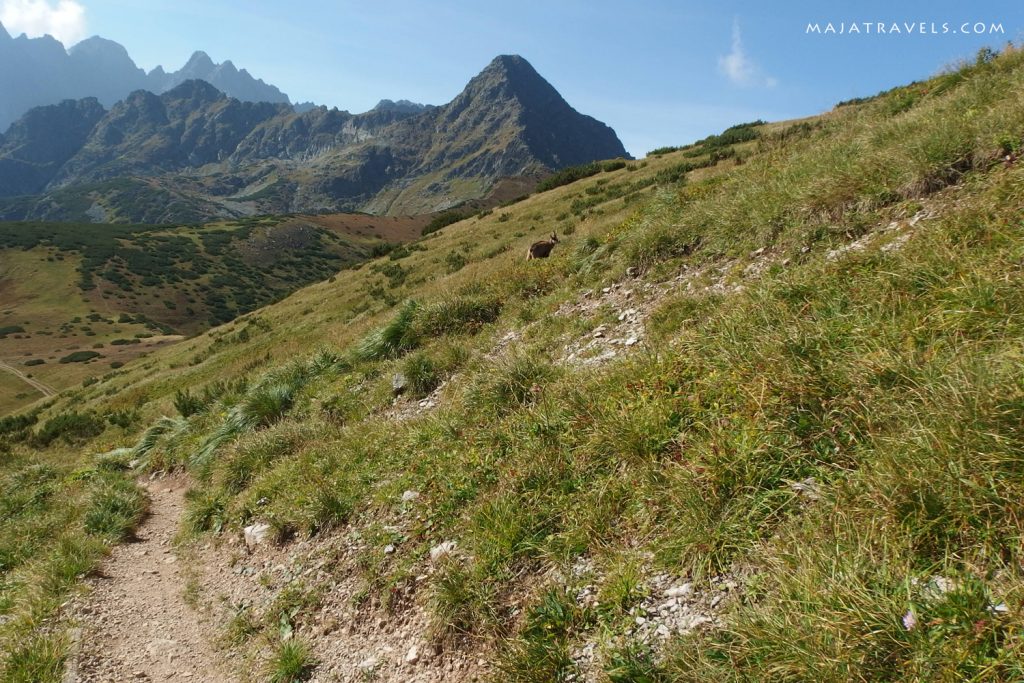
[{"x": 41, "y": 143}]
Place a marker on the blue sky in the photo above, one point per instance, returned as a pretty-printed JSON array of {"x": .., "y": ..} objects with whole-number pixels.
[{"x": 658, "y": 71}]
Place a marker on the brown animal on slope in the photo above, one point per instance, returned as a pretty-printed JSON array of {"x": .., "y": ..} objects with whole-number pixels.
[{"x": 542, "y": 249}]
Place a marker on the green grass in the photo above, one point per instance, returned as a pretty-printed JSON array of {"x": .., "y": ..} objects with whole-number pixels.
[
  {"x": 890, "y": 376},
  {"x": 116, "y": 508},
  {"x": 292, "y": 662}
]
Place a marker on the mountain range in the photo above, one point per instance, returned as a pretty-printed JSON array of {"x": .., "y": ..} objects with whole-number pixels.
[
  {"x": 40, "y": 71},
  {"x": 193, "y": 153}
]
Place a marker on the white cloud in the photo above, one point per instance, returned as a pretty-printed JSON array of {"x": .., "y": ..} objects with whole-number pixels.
[
  {"x": 63, "y": 19},
  {"x": 739, "y": 68}
]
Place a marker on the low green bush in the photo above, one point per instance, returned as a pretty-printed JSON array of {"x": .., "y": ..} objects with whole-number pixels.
[
  {"x": 70, "y": 427},
  {"x": 80, "y": 357}
]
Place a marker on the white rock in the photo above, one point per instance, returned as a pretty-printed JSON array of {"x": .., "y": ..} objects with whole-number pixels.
[
  {"x": 442, "y": 550},
  {"x": 679, "y": 591},
  {"x": 388, "y": 549},
  {"x": 409, "y": 496},
  {"x": 413, "y": 655},
  {"x": 693, "y": 621},
  {"x": 368, "y": 664},
  {"x": 632, "y": 341},
  {"x": 256, "y": 534}
]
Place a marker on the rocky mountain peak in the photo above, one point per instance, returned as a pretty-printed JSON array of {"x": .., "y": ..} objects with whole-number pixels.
[
  {"x": 192, "y": 89},
  {"x": 198, "y": 62},
  {"x": 508, "y": 80},
  {"x": 4, "y": 35},
  {"x": 401, "y": 106},
  {"x": 101, "y": 47}
]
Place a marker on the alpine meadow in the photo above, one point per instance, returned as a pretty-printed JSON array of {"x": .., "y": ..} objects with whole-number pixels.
[{"x": 467, "y": 393}]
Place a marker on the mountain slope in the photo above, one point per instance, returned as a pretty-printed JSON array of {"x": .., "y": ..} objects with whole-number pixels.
[
  {"x": 40, "y": 143},
  {"x": 750, "y": 421},
  {"x": 220, "y": 156},
  {"x": 113, "y": 293}
]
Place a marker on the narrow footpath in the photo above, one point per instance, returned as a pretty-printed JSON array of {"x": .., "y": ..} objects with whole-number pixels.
[{"x": 135, "y": 623}]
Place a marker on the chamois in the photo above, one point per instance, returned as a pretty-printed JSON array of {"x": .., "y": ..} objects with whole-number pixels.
[{"x": 542, "y": 249}]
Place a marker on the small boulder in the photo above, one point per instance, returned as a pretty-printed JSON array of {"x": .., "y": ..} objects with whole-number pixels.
[
  {"x": 413, "y": 655},
  {"x": 256, "y": 534},
  {"x": 442, "y": 550},
  {"x": 410, "y": 496},
  {"x": 399, "y": 384},
  {"x": 680, "y": 591}
]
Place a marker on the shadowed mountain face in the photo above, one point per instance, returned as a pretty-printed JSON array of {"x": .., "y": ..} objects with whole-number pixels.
[
  {"x": 214, "y": 155},
  {"x": 45, "y": 73}
]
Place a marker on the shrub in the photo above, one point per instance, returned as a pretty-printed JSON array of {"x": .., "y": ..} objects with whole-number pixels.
[
  {"x": 613, "y": 165},
  {"x": 569, "y": 175},
  {"x": 454, "y": 262},
  {"x": 125, "y": 419},
  {"x": 71, "y": 427},
  {"x": 443, "y": 220},
  {"x": 188, "y": 404},
  {"x": 80, "y": 357},
  {"x": 34, "y": 361}
]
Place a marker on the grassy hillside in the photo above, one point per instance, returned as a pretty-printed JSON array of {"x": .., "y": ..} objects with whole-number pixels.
[
  {"x": 758, "y": 418},
  {"x": 113, "y": 293}
]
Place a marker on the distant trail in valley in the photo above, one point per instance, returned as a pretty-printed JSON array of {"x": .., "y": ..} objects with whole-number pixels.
[
  {"x": 136, "y": 623},
  {"x": 35, "y": 384}
]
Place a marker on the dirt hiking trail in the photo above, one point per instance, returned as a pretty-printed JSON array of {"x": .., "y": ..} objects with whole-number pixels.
[
  {"x": 43, "y": 389},
  {"x": 135, "y": 622}
]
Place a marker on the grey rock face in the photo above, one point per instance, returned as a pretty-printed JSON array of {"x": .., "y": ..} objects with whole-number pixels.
[{"x": 508, "y": 121}]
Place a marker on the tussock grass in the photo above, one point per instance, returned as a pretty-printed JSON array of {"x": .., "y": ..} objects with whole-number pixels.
[
  {"x": 291, "y": 662},
  {"x": 116, "y": 508},
  {"x": 393, "y": 339}
]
